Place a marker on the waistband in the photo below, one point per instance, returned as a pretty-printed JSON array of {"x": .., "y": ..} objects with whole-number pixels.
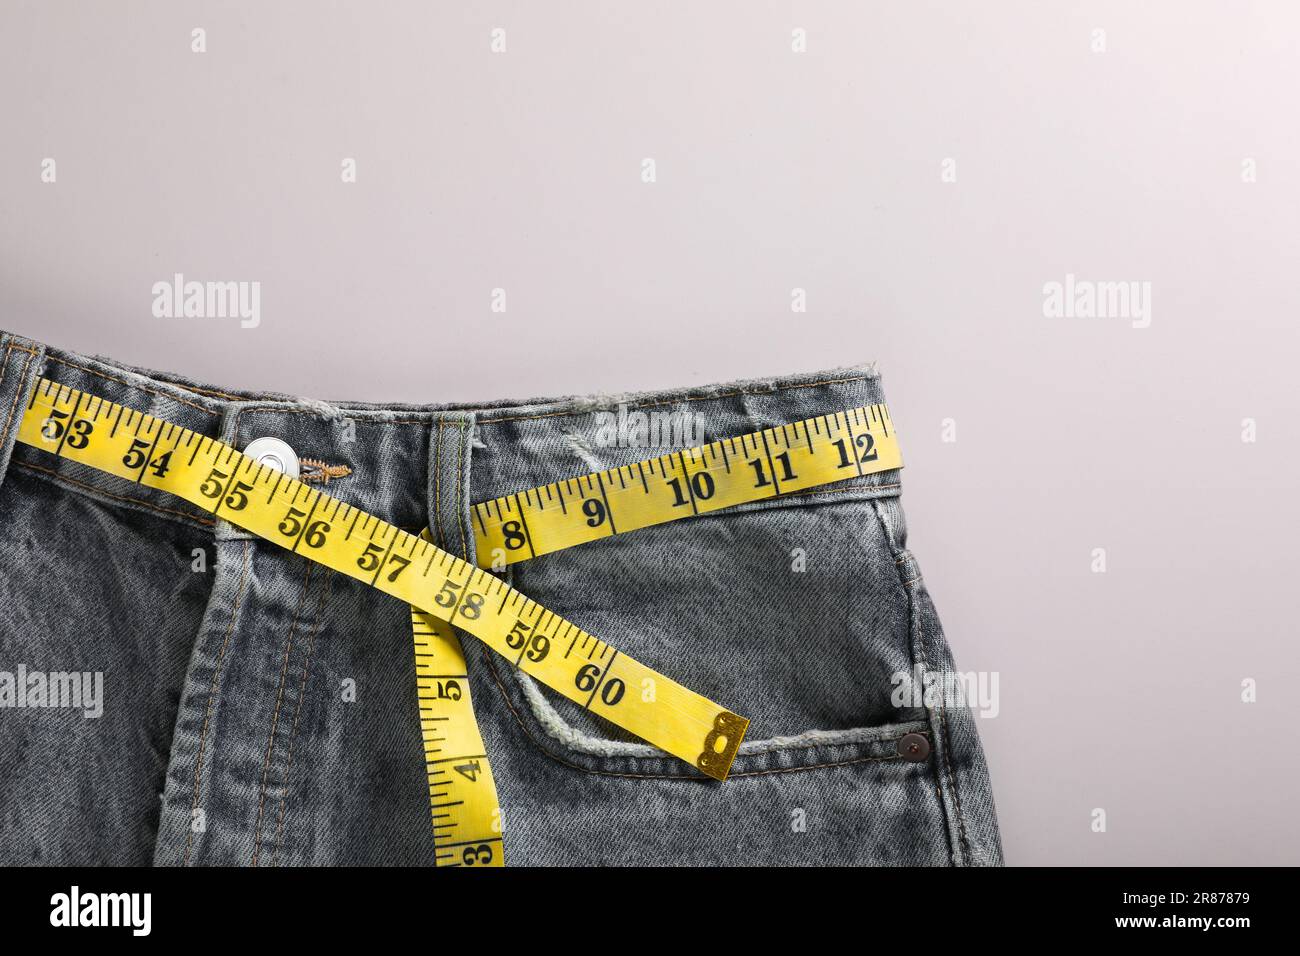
[{"x": 422, "y": 465}]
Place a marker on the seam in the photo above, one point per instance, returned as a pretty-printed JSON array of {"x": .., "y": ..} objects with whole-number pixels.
[
  {"x": 764, "y": 503},
  {"x": 791, "y": 496},
  {"x": 19, "y": 393},
  {"x": 11, "y": 347},
  {"x": 143, "y": 388},
  {"x": 918, "y": 644},
  {"x": 108, "y": 494},
  {"x": 956, "y": 794},
  {"x": 215, "y": 393},
  {"x": 813, "y": 744},
  {"x": 297, "y": 712},
  {"x": 437, "y": 485},
  {"x": 918, "y": 640},
  {"x": 212, "y": 693},
  {"x": 437, "y": 490},
  {"x": 880, "y": 733},
  {"x": 856, "y": 489},
  {"x": 660, "y": 776},
  {"x": 683, "y": 400},
  {"x": 4, "y": 367},
  {"x": 355, "y": 415},
  {"x": 925, "y": 669},
  {"x": 9, "y": 350},
  {"x": 275, "y": 714},
  {"x": 947, "y": 759},
  {"x": 460, "y": 475}
]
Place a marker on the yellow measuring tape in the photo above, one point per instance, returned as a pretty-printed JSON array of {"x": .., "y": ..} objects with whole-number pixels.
[
  {"x": 733, "y": 471},
  {"x": 442, "y": 588},
  {"x": 462, "y": 794}
]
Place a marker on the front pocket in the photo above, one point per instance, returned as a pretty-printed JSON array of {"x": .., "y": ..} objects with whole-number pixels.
[{"x": 790, "y": 614}]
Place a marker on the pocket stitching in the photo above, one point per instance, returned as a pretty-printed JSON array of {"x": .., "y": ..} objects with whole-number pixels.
[
  {"x": 524, "y": 722},
  {"x": 528, "y": 733},
  {"x": 539, "y": 720}
]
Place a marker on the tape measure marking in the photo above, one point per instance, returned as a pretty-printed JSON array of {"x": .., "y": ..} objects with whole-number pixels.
[
  {"x": 228, "y": 484},
  {"x": 776, "y": 461},
  {"x": 463, "y": 805}
]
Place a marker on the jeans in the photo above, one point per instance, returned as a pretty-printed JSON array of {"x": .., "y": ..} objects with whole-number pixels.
[{"x": 208, "y": 698}]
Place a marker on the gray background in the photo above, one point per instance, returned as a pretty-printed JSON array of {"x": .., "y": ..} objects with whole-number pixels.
[{"x": 776, "y": 170}]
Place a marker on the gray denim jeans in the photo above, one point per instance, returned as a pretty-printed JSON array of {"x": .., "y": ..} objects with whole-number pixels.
[{"x": 255, "y": 708}]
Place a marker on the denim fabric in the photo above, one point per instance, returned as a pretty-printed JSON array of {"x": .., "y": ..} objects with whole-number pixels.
[{"x": 259, "y": 709}]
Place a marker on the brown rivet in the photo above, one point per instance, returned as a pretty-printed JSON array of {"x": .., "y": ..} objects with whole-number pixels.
[{"x": 913, "y": 747}]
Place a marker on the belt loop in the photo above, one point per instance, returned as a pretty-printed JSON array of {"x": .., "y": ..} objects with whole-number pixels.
[{"x": 450, "y": 446}]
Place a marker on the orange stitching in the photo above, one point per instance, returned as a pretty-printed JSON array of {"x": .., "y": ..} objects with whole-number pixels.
[
  {"x": 275, "y": 715},
  {"x": 791, "y": 496},
  {"x": 212, "y": 693},
  {"x": 108, "y": 494},
  {"x": 688, "y": 398},
  {"x": 812, "y": 493},
  {"x": 297, "y": 711},
  {"x": 17, "y": 348},
  {"x": 3, "y": 367},
  {"x": 952, "y": 781},
  {"x": 460, "y": 472},
  {"x": 437, "y": 486},
  {"x": 122, "y": 381},
  {"x": 812, "y": 766},
  {"x": 206, "y": 391},
  {"x": 8, "y": 351}
]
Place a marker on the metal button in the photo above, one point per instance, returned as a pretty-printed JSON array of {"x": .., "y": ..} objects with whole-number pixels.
[
  {"x": 913, "y": 747},
  {"x": 273, "y": 453}
]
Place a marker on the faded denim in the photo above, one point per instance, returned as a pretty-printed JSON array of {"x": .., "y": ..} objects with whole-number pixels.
[{"x": 259, "y": 709}]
